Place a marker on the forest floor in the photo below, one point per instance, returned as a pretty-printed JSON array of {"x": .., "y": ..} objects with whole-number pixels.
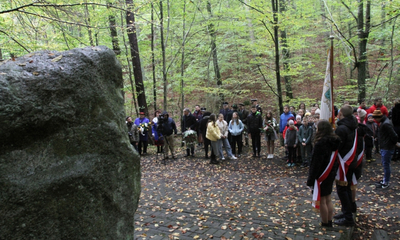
[{"x": 251, "y": 198}]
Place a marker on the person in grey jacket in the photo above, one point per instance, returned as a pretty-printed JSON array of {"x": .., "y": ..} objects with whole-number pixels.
[
  {"x": 304, "y": 136},
  {"x": 133, "y": 132},
  {"x": 388, "y": 142}
]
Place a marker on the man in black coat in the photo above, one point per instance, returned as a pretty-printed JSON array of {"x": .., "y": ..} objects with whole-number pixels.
[
  {"x": 347, "y": 131},
  {"x": 188, "y": 123},
  {"x": 254, "y": 124}
]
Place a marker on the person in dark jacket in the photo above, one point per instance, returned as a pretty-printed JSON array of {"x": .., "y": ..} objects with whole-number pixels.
[
  {"x": 188, "y": 123},
  {"x": 388, "y": 142},
  {"x": 362, "y": 132},
  {"x": 167, "y": 127},
  {"x": 203, "y": 130},
  {"x": 322, "y": 170},
  {"x": 254, "y": 124},
  {"x": 346, "y": 130},
  {"x": 291, "y": 143},
  {"x": 396, "y": 126}
]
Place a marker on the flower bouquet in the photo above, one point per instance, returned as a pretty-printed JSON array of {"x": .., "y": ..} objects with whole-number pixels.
[
  {"x": 270, "y": 128},
  {"x": 190, "y": 138},
  {"x": 143, "y": 128}
]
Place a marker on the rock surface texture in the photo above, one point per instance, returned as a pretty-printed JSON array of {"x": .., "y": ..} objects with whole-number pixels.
[{"x": 67, "y": 170}]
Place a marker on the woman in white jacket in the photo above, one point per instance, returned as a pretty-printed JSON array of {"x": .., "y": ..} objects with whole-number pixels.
[
  {"x": 223, "y": 141},
  {"x": 236, "y": 128}
]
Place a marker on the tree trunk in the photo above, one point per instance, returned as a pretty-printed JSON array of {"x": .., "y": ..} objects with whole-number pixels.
[
  {"x": 363, "y": 33},
  {"x": 276, "y": 41},
  {"x": 183, "y": 54},
  {"x": 164, "y": 67},
  {"x": 211, "y": 31},
  {"x": 285, "y": 55},
  {"x": 153, "y": 62},
  {"x": 137, "y": 70},
  {"x": 87, "y": 20},
  {"x": 113, "y": 32},
  {"x": 130, "y": 69}
]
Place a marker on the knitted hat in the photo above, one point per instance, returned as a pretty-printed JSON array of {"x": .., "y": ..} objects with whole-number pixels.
[
  {"x": 234, "y": 106},
  {"x": 361, "y": 113},
  {"x": 377, "y": 114},
  {"x": 369, "y": 115},
  {"x": 291, "y": 122},
  {"x": 307, "y": 114}
]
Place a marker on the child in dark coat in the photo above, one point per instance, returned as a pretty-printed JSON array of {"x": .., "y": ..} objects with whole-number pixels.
[{"x": 291, "y": 143}]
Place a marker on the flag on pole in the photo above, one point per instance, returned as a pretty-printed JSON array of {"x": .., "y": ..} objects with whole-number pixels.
[{"x": 326, "y": 99}]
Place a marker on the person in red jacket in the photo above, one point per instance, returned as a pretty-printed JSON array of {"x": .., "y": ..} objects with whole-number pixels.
[{"x": 378, "y": 106}]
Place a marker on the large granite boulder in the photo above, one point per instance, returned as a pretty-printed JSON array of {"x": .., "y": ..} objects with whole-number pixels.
[{"x": 67, "y": 170}]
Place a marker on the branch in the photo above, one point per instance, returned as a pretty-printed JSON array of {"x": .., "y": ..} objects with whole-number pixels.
[
  {"x": 341, "y": 34},
  {"x": 265, "y": 79},
  {"x": 348, "y": 8},
  {"x": 377, "y": 78},
  {"x": 390, "y": 19},
  {"x": 55, "y": 19},
  {"x": 270, "y": 33},
  {"x": 58, "y": 6},
  {"x": 255, "y": 9},
  {"x": 15, "y": 41}
]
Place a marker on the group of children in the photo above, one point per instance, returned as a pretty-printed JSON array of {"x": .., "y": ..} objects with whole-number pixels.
[
  {"x": 298, "y": 137},
  {"x": 299, "y": 134}
]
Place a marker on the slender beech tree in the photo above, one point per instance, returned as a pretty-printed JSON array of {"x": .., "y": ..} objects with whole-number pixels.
[
  {"x": 113, "y": 31},
  {"x": 211, "y": 31},
  {"x": 153, "y": 61},
  {"x": 363, "y": 33},
  {"x": 275, "y": 5},
  {"x": 285, "y": 54},
  {"x": 164, "y": 67},
  {"x": 137, "y": 70}
]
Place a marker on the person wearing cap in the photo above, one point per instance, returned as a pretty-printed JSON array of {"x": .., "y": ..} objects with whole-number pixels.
[
  {"x": 378, "y": 105},
  {"x": 370, "y": 139},
  {"x": 347, "y": 131},
  {"x": 225, "y": 110},
  {"x": 167, "y": 127},
  {"x": 291, "y": 143},
  {"x": 143, "y": 133},
  {"x": 254, "y": 122},
  {"x": 254, "y": 102},
  {"x": 361, "y": 115},
  {"x": 188, "y": 123},
  {"x": 388, "y": 143},
  {"x": 198, "y": 114},
  {"x": 133, "y": 132}
]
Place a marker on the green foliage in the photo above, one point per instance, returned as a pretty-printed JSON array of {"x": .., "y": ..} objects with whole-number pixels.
[{"x": 243, "y": 42}]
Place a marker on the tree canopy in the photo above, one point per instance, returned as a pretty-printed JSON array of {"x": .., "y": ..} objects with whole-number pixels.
[{"x": 203, "y": 52}]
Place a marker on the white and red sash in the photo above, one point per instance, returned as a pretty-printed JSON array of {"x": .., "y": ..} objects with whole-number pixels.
[
  {"x": 324, "y": 175},
  {"x": 359, "y": 161},
  {"x": 345, "y": 162}
]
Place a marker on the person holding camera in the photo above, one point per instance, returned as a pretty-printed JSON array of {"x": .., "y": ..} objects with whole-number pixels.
[{"x": 167, "y": 127}]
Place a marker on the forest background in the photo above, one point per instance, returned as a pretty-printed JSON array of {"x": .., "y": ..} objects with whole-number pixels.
[{"x": 175, "y": 54}]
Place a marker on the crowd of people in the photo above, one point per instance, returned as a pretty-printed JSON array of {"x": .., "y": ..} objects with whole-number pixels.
[{"x": 334, "y": 152}]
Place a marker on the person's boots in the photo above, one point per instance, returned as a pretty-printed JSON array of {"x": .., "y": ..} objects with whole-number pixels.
[{"x": 187, "y": 153}]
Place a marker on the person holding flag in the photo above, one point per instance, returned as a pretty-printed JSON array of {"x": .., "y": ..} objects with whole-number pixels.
[{"x": 322, "y": 170}]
